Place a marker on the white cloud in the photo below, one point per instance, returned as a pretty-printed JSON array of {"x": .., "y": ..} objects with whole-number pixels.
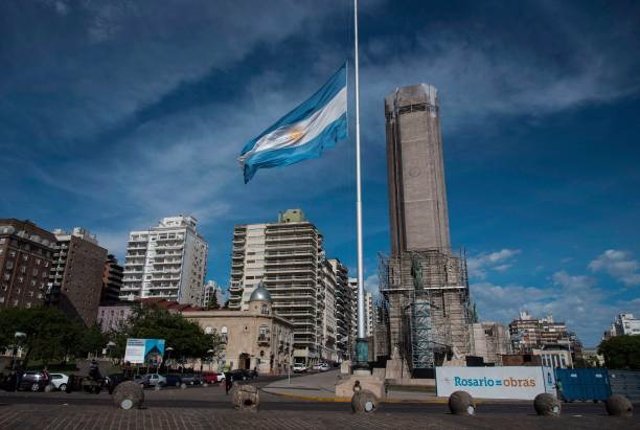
[
  {"x": 574, "y": 299},
  {"x": 498, "y": 261},
  {"x": 619, "y": 265}
]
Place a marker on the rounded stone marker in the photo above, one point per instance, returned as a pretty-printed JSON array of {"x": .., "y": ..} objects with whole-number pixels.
[
  {"x": 245, "y": 398},
  {"x": 619, "y": 406},
  {"x": 461, "y": 403},
  {"x": 364, "y": 401},
  {"x": 547, "y": 405},
  {"x": 128, "y": 395}
]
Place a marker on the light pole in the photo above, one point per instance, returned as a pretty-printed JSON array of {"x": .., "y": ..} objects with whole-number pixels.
[
  {"x": 168, "y": 351},
  {"x": 19, "y": 337},
  {"x": 210, "y": 357}
]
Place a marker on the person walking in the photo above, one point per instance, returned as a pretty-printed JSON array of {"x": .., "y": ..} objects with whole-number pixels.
[{"x": 228, "y": 381}]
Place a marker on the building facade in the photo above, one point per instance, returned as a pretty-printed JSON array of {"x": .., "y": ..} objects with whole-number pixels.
[
  {"x": 625, "y": 324},
  {"x": 369, "y": 313},
  {"x": 111, "y": 281},
  {"x": 328, "y": 337},
  {"x": 528, "y": 333},
  {"x": 26, "y": 256},
  {"x": 212, "y": 294},
  {"x": 424, "y": 284},
  {"x": 288, "y": 258},
  {"x": 75, "y": 281},
  {"x": 345, "y": 305},
  {"x": 490, "y": 341},
  {"x": 114, "y": 316},
  {"x": 254, "y": 338},
  {"x": 168, "y": 261}
]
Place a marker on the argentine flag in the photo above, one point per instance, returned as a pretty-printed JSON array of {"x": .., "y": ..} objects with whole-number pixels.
[{"x": 318, "y": 123}]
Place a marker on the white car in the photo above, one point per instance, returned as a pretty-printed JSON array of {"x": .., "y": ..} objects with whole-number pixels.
[
  {"x": 323, "y": 367},
  {"x": 299, "y": 368},
  {"x": 153, "y": 380},
  {"x": 59, "y": 380}
]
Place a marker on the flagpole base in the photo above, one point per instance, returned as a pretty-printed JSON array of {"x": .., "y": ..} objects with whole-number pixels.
[{"x": 362, "y": 355}]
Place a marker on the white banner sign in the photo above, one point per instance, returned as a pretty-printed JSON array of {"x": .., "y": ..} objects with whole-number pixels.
[{"x": 508, "y": 382}]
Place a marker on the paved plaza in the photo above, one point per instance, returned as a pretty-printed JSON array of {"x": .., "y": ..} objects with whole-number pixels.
[{"x": 305, "y": 403}]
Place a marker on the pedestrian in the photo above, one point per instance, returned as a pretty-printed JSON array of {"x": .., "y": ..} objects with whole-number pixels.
[
  {"x": 19, "y": 373},
  {"x": 228, "y": 381},
  {"x": 559, "y": 389},
  {"x": 45, "y": 376}
]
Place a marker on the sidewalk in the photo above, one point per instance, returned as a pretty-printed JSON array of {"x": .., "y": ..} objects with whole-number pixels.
[{"x": 321, "y": 387}]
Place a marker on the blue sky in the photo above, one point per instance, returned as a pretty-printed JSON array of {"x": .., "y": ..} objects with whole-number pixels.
[{"x": 114, "y": 114}]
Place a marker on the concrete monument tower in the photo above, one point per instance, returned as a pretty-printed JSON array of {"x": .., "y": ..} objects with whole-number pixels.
[
  {"x": 417, "y": 193},
  {"x": 424, "y": 283}
]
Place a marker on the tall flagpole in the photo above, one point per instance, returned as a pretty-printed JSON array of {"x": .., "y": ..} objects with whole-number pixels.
[{"x": 362, "y": 353}]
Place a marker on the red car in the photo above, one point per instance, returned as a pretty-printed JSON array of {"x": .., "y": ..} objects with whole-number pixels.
[{"x": 211, "y": 377}]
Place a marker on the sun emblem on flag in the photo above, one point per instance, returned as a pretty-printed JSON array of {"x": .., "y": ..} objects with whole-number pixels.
[{"x": 295, "y": 134}]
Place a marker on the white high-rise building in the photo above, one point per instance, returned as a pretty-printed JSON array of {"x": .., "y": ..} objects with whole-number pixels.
[
  {"x": 288, "y": 258},
  {"x": 168, "y": 261},
  {"x": 211, "y": 288},
  {"x": 369, "y": 313},
  {"x": 625, "y": 325}
]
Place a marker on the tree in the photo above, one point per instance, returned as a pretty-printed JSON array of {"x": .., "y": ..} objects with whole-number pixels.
[
  {"x": 213, "y": 301},
  {"x": 621, "y": 352},
  {"x": 50, "y": 334},
  {"x": 151, "y": 322},
  {"x": 93, "y": 341}
]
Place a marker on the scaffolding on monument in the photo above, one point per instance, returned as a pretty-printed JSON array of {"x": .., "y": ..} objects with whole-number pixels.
[{"x": 432, "y": 289}]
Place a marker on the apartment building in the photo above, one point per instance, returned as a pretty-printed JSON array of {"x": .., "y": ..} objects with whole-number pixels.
[
  {"x": 625, "y": 324},
  {"x": 328, "y": 339},
  {"x": 168, "y": 261},
  {"x": 528, "y": 333},
  {"x": 345, "y": 298},
  {"x": 26, "y": 256},
  {"x": 75, "y": 280},
  {"x": 111, "y": 281},
  {"x": 288, "y": 258},
  {"x": 212, "y": 294}
]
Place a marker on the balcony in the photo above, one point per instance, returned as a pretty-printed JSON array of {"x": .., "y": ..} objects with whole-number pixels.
[{"x": 264, "y": 340}]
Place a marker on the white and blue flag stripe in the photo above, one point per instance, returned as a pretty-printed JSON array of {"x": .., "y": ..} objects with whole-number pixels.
[{"x": 318, "y": 123}]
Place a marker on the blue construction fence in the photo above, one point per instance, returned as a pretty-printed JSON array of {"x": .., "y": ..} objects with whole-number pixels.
[{"x": 597, "y": 384}]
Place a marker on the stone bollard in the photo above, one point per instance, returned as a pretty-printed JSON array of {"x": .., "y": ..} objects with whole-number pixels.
[
  {"x": 546, "y": 404},
  {"x": 245, "y": 398},
  {"x": 461, "y": 403},
  {"x": 128, "y": 395},
  {"x": 619, "y": 406},
  {"x": 363, "y": 401}
]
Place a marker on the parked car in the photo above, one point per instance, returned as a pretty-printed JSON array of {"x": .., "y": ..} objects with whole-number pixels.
[
  {"x": 324, "y": 367},
  {"x": 33, "y": 380},
  {"x": 212, "y": 377},
  {"x": 192, "y": 379},
  {"x": 299, "y": 368},
  {"x": 173, "y": 380},
  {"x": 59, "y": 381},
  {"x": 154, "y": 380}
]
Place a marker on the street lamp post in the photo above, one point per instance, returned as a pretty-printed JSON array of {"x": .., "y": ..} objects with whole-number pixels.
[
  {"x": 210, "y": 357},
  {"x": 19, "y": 337},
  {"x": 168, "y": 351}
]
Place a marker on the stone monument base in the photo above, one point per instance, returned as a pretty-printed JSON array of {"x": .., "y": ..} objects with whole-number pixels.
[{"x": 367, "y": 381}]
